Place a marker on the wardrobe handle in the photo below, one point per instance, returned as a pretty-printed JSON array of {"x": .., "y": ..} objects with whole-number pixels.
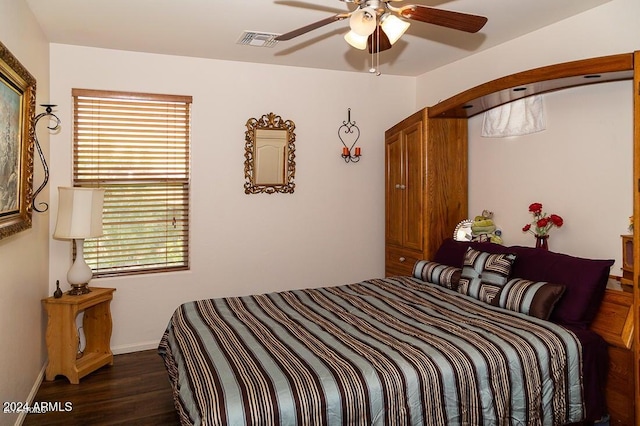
[
  {"x": 397, "y": 186},
  {"x": 403, "y": 187},
  {"x": 402, "y": 259}
]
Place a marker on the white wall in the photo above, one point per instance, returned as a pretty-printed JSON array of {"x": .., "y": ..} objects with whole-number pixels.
[
  {"x": 581, "y": 166},
  {"x": 24, "y": 256},
  {"x": 329, "y": 231}
]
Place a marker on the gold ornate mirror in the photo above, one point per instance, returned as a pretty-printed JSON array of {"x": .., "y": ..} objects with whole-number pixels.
[{"x": 269, "y": 153}]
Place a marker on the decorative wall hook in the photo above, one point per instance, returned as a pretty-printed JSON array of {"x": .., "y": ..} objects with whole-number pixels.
[
  {"x": 48, "y": 108},
  {"x": 349, "y": 130}
]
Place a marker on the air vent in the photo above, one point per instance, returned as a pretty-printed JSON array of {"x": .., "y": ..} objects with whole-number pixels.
[{"x": 253, "y": 38}]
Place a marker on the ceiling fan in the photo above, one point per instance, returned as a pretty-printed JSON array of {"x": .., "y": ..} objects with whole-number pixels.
[{"x": 377, "y": 24}]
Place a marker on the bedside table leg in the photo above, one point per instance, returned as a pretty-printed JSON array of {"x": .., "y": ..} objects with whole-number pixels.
[{"x": 62, "y": 342}]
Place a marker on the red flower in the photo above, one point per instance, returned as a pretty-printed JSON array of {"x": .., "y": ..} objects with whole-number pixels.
[
  {"x": 556, "y": 220},
  {"x": 541, "y": 222},
  {"x": 535, "y": 208}
]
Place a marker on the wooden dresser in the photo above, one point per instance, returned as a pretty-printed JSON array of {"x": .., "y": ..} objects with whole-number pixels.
[{"x": 426, "y": 187}]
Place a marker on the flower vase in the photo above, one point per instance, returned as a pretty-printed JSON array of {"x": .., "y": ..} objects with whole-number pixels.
[{"x": 542, "y": 242}]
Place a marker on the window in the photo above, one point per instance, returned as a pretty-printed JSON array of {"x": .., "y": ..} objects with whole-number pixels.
[{"x": 136, "y": 147}]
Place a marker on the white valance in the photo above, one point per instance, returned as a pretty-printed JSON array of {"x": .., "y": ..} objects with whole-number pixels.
[{"x": 516, "y": 118}]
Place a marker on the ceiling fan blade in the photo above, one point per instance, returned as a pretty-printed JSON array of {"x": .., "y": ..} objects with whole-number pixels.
[
  {"x": 378, "y": 41},
  {"x": 311, "y": 27},
  {"x": 445, "y": 18},
  {"x": 309, "y": 6}
]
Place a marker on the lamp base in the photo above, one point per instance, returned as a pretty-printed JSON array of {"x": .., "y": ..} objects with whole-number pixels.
[{"x": 79, "y": 289}]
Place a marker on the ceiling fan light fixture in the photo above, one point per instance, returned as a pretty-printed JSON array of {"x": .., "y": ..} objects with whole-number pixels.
[
  {"x": 394, "y": 27},
  {"x": 356, "y": 40},
  {"x": 363, "y": 21}
]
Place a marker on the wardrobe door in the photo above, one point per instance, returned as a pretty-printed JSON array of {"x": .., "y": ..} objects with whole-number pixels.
[
  {"x": 394, "y": 194},
  {"x": 413, "y": 187}
]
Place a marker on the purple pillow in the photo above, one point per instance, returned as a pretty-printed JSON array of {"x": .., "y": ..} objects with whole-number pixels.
[{"x": 585, "y": 280}]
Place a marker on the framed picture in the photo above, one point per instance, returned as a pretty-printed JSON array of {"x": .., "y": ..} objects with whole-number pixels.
[{"x": 17, "y": 112}]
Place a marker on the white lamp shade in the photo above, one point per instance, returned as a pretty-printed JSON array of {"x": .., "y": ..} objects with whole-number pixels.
[
  {"x": 393, "y": 27},
  {"x": 355, "y": 40},
  {"x": 363, "y": 21},
  {"x": 79, "y": 213}
]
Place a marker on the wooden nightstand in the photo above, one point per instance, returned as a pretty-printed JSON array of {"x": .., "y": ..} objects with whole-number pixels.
[{"x": 63, "y": 339}]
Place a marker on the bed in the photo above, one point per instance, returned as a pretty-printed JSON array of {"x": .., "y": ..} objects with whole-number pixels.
[{"x": 439, "y": 347}]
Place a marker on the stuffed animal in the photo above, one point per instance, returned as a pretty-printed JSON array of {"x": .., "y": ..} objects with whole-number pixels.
[{"x": 483, "y": 229}]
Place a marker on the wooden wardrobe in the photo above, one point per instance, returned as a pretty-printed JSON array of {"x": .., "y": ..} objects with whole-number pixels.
[
  {"x": 426, "y": 196},
  {"x": 426, "y": 187}
]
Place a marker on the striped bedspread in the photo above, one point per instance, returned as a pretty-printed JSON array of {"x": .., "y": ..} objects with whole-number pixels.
[{"x": 394, "y": 351}]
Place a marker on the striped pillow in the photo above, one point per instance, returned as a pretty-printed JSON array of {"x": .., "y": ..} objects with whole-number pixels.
[
  {"x": 484, "y": 274},
  {"x": 529, "y": 297},
  {"x": 437, "y": 273}
]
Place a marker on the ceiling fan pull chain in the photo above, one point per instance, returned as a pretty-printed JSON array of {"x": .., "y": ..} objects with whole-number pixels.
[
  {"x": 372, "y": 69},
  {"x": 375, "y": 65},
  {"x": 378, "y": 55}
]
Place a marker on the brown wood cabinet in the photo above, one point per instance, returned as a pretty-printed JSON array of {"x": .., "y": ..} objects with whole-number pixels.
[{"x": 426, "y": 187}]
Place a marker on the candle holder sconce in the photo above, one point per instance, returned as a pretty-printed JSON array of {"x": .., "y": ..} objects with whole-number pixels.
[
  {"x": 56, "y": 126},
  {"x": 349, "y": 131}
]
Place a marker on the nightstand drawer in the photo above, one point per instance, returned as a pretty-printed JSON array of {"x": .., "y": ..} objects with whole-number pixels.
[{"x": 400, "y": 261}]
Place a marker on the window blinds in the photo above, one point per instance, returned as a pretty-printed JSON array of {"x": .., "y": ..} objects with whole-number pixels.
[{"x": 136, "y": 147}]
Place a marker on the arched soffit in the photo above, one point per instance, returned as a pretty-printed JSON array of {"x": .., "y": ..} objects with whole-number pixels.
[{"x": 532, "y": 82}]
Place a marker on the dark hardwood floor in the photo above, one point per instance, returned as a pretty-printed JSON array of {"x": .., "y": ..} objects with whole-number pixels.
[{"x": 134, "y": 391}]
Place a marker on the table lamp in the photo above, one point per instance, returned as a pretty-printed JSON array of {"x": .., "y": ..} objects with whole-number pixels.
[{"x": 79, "y": 217}]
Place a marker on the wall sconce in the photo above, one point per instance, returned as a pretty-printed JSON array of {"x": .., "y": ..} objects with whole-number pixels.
[
  {"x": 48, "y": 108},
  {"x": 79, "y": 217},
  {"x": 349, "y": 130}
]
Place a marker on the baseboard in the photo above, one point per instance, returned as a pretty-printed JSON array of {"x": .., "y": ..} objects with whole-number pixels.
[
  {"x": 32, "y": 394},
  {"x": 125, "y": 349}
]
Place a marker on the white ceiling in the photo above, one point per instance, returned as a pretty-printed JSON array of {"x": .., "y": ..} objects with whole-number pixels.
[{"x": 211, "y": 29}]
